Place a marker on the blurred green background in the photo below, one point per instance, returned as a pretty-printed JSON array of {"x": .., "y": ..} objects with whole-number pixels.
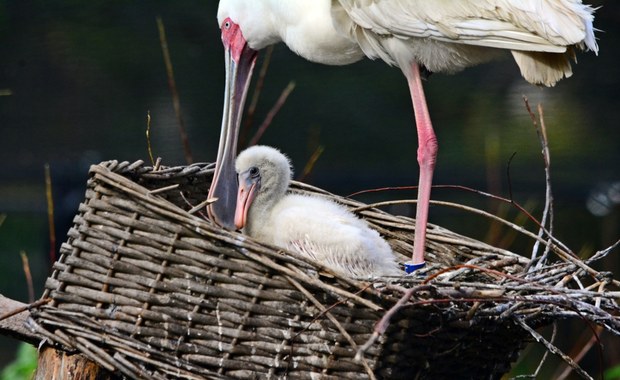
[{"x": 77, "y": 79}]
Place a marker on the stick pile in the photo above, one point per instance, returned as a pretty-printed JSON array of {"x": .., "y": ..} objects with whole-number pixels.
[{"x": 148, "y": 289}]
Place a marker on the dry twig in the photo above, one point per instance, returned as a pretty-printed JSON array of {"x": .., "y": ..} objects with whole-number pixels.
[
  {"x": 176, "y": 102},
  {"x": 28, "y": 274},
  {"x": 541, "y": 131},
  {"x": 148, "y": 137},
  {"x": 50, "y": 214},
  {"x": 258, "y": 90},
  {"x": 272, "y": 113}
]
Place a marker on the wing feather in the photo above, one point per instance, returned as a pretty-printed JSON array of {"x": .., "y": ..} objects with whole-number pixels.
[
  {"x": 448, "y": 35},
  {"x": 530, "y": 25}
]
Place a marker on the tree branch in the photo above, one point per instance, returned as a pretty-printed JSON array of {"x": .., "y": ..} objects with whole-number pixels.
[{"x": 13, "y": 317}]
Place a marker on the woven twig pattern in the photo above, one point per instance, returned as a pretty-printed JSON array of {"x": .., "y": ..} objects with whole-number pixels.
[{"x": 149, "y": 290}]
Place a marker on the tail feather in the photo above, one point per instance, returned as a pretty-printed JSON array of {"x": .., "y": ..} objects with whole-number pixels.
[{"x": 544, "y": 68}]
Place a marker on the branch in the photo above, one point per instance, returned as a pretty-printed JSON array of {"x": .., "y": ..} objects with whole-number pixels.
[
  {"x": 13, "y": 317},
  {"x": 272, "y": 113},
  {"x": 176, "y": 102}
]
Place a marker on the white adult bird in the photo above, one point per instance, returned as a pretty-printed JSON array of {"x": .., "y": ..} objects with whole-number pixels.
[
  {"x": 315, "y": 227},
  {"x": 435, "y": 35}
]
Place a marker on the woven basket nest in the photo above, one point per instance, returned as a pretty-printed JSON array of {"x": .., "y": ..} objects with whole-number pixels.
[{"x": 150, "y": 291}]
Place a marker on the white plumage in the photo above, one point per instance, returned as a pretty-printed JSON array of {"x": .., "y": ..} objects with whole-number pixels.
[
  {"x": 441, "y": 35},
  {"x": 436, "y": 35},
  {"x": 316, "y": 227}
]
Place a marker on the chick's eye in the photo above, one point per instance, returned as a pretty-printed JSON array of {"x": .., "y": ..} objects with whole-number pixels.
[{"x": 254, "y": 172}]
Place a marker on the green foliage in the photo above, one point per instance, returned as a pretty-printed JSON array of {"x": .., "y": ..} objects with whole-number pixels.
[
  {"x": 613, "y": 373},
  {"x": 24, "y": 365}
]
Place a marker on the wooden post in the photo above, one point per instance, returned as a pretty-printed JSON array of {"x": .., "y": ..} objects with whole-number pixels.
[
  {"x": 58, "y": 365},
  {"x": 53, "y": 364}
]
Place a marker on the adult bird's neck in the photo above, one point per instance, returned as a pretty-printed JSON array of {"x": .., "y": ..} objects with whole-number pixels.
[{"x": 307, "y": 28}]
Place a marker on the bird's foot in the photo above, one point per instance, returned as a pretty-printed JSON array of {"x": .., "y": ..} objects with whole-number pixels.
[{"x": 410, "y": 267}]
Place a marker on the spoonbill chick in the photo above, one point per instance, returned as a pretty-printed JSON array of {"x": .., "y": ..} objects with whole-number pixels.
[{"x": 315, "y": 227}]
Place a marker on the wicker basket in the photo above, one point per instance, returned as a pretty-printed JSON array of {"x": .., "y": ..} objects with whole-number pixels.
[{"x": 149, "y": 290}]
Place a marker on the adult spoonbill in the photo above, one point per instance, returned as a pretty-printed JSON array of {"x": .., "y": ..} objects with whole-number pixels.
[
  {"x": 315, "y": 227},
  {"x": 415, "y": 35}
]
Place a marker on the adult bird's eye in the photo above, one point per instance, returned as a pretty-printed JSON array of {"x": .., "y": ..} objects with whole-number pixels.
[
  {"x": 254, "y": 172},
  {"x": 227, "y": 25}
]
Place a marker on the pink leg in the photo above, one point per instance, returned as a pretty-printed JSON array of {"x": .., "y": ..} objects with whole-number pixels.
[{"x": 427, "y": 155}]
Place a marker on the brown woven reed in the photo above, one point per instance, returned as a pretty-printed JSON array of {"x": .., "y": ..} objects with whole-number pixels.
[{"x": 149, "y": 290}]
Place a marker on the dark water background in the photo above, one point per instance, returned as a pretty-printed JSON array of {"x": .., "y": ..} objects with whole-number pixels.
[{"x": 77, "y": 79}]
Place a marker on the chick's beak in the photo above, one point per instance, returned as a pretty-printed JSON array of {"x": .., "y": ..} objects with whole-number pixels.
[{"x": 248, "y": 189}]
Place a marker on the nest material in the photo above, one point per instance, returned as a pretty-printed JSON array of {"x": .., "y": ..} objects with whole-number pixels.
[{"x": 149, "y": 290}]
